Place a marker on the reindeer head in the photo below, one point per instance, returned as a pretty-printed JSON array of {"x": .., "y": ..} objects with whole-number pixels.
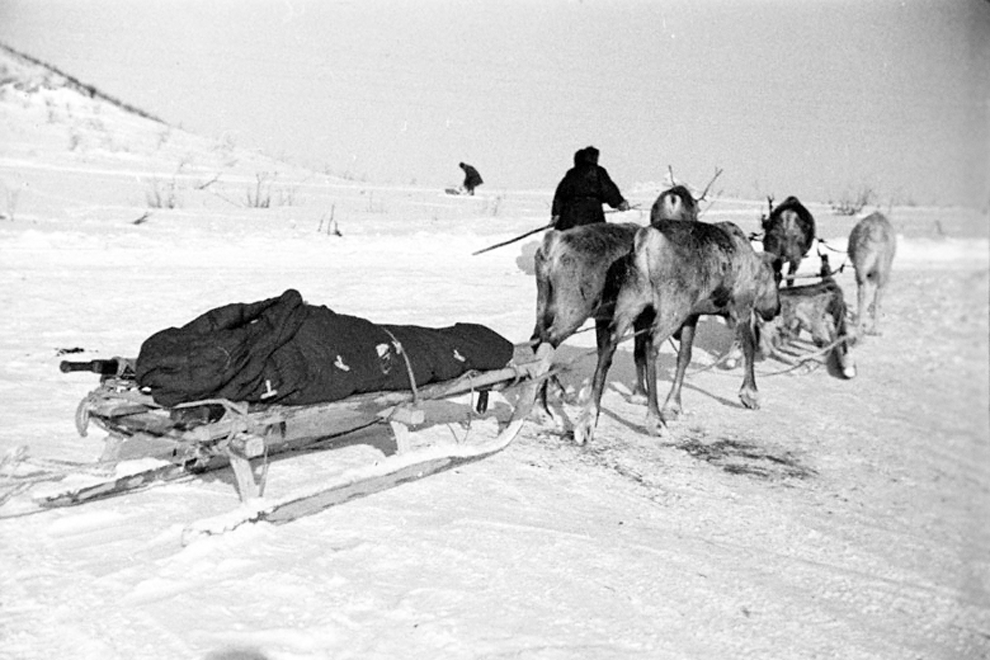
[{"x": 675, "y": 203}]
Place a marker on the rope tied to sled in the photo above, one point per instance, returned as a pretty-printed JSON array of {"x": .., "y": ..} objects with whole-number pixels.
[
  {"x": 812, "y": 356},
  {"x": 405, "y": 358}
]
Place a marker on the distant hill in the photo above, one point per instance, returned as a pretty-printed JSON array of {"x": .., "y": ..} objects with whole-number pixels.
[
  {"x": 67, "y": 144},
  {"x": 29, "y": 74}
]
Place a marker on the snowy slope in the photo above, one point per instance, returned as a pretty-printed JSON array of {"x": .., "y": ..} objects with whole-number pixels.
[{"x": 845, "y": 519}]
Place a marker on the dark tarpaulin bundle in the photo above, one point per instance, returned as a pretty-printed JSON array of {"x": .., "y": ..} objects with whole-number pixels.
[{"x": 282, "y": 350}]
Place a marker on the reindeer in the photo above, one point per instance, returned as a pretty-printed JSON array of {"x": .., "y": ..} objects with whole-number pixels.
[
  {"x": 872, "y": 245},
  {"x": 675, "y": 203},
  {"x": 675, "y": 273},
  {"x": 818, "y": 308},
  {"x": 571, "y": 269},
  {"x": 788, "y": 232},
  {"x": 571, "y": 266}
]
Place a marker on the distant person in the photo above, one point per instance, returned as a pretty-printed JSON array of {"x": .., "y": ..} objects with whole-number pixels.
[
  {"x": 471, "y": 178},
  {"x": 580, "y": 194}
]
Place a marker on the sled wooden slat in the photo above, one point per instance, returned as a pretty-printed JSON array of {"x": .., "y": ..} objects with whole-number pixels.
[
  {"x": 392, "y": 471},
  {"x": 148, "y": 447}
]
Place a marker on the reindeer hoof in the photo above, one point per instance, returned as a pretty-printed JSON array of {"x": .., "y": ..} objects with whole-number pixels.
[
  {"x": 584, "y": 429},
  {"x": 541, "y": 415},
  {"x": 750, "y": 399},
  {"x": 732, "y": 359},
  {"x": 655, "y": 425}
]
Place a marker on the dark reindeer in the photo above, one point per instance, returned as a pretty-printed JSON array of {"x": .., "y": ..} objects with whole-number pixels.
[
  {"x": 872, "y": 245},
  {"x": 676, "y": 272},
  {"x": 788, "y": 233},
  {"x": 819, "y": 309}
]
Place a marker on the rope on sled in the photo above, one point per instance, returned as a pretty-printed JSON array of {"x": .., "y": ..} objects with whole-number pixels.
[
  {"x": 39, "y": 470},
  {"x": 721, "y": 359},
  {"x": 405, "y": 358},
  {"x": 632, "y": 335},
  {"x": 808, "y": 357}
]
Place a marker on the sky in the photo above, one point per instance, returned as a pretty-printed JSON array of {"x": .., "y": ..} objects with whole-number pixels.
[{"x": 818, "y": 99}]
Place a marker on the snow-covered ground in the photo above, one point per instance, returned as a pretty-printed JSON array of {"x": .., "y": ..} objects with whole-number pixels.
[{"x": 845, "y": 519}]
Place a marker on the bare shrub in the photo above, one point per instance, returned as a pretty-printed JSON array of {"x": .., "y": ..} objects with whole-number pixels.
[
  {"x": 374, "y": 206},
  {"x": 163, "y": 136},
  {"x": 162, "y": 194},
  {"x": 286, "y": 197},
  {"x": 10, "y": 197},
  {"x": 852, "y": 202},
  {"x": 493, "y": 206},
  {"x": 50, "y": 108},
  {"x": 261, "y": 196}
]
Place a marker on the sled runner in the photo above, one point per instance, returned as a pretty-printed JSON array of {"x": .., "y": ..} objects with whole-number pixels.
[{"x": 149, "y": 443}]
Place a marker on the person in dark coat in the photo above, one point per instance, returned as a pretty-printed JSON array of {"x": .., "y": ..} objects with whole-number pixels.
[
  {"x": 471, "y": 178},
  {"x": 580, "y": 194}
]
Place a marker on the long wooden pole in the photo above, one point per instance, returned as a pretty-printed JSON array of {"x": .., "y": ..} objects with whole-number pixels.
[{"x": 513, "y": 240}]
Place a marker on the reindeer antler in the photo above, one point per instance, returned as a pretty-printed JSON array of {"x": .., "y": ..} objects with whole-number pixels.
[{"x": 704, "y": 194}]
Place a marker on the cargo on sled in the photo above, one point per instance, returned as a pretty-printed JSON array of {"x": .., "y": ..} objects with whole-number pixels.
[{"x": 245, "y": 383}]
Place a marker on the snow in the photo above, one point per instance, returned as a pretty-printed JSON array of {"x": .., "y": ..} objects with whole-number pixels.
[{"x": 845, "y": 519}]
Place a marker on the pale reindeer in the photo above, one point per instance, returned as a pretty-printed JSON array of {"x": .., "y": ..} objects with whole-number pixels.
[{"x": 871, "y": 249}]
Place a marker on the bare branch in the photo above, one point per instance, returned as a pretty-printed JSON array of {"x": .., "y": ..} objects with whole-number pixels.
[{"x": 209, "y": 183}]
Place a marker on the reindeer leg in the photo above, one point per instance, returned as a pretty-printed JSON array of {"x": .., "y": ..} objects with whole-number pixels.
[
  {"x": 542, "y": 393},
  {"x": 875, "y": 316},
  {"x": 735, "y": 352},
  {"x": 791, "y": 269},
  {"x": 867, "y": 304},
  {"x": 643, "y": 348},
  {"x": 545, "y": 316},
  {"x": 828, "y": 330},
  {"x": 627, "y": 311},
  {"x": 777, "y": 266},
  {"x": 747, "y": 337},
  {"x": 584, "y": 429},
  {"x": 860, "y": 308},
  {"x": 654, "y": 420},
  {"x": 672, "y": 406}
]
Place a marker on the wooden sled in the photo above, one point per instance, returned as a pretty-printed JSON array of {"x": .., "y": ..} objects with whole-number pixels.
[{"x": 149, "y": 444}]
